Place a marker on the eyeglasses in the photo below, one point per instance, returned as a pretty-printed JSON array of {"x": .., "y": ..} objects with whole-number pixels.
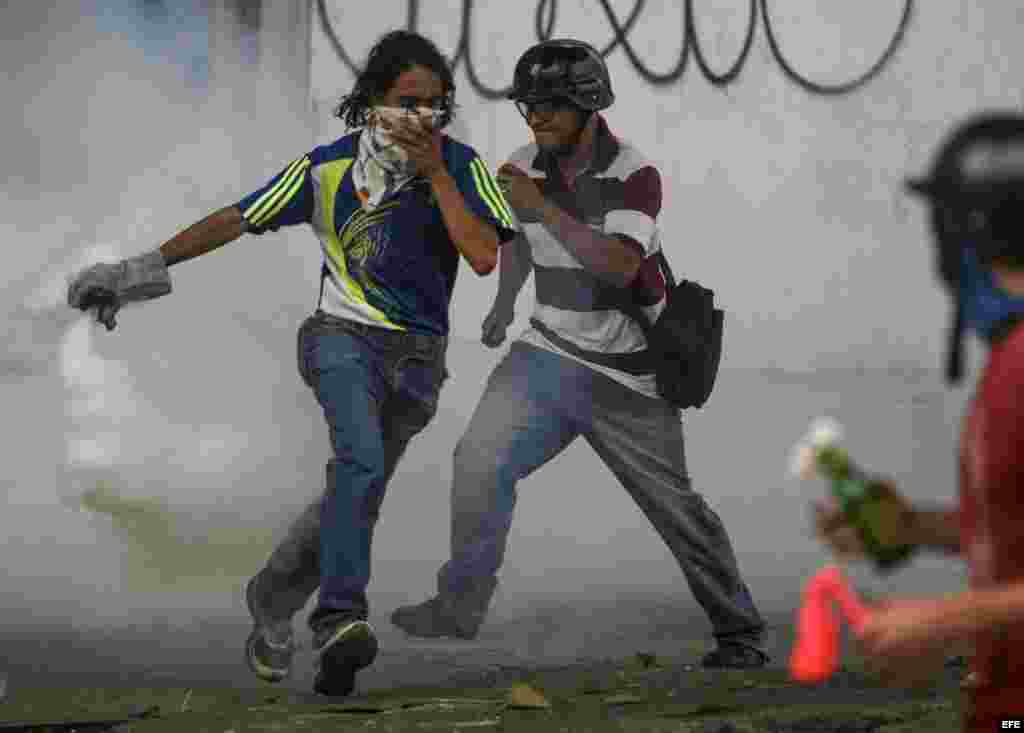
[
  {"x": 437, "y": 104},
  {"x": 542, "y": 108}
]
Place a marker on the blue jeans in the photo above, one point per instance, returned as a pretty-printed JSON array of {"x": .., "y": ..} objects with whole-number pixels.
[
  {"x": 535, "y": 404},
  {"x": 378, "y": 388}
]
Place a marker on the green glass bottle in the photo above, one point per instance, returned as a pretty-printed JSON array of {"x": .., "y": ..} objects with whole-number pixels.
[{"x": 870, "y": 505}]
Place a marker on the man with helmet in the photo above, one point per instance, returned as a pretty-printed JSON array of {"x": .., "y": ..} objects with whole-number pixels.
[
  {"x": 976, "y": 195},
  {"x": 588, "y": 204}
]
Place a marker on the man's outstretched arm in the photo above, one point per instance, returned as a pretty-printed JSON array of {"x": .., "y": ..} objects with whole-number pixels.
[
  {"x": 936, "y": 528},
  {"x": 930, "y": 527},
  {"x": 214, "y": 231},
  {"x": 285, "y": 200}
]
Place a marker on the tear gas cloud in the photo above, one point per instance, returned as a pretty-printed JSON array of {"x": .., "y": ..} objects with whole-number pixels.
[
  {"x": 144, "y": 153},
  {"x": 191, "y": 436}
]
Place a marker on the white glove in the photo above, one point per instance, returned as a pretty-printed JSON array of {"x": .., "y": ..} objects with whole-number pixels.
[{"x": 107, "y": 287}]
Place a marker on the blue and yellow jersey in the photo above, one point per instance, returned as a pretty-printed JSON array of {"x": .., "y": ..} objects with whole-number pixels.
[{"x": 394, "y": 266}]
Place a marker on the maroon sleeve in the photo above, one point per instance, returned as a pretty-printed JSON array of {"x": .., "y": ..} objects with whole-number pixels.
[
  {"x": 633, "y": 208},
  {"x": 642, "y": 191}
]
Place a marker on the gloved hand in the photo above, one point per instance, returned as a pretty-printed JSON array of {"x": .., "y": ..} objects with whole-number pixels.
[
  {"x": 106, "y": 287},
  {"x": 495, "y": 325}
]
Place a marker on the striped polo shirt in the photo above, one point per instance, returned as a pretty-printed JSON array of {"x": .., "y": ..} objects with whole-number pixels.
[
  {"x": 394, "y": 266},
  {"x": 619, "y": 194}
]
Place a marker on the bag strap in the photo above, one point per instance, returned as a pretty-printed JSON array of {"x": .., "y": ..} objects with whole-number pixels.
[
  {"x": 634, "y": 311},
  {"x": 670, "y": 279},
  {"x": 636, "y": 363}
]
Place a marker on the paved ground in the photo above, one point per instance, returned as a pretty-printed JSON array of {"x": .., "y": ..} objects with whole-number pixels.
[
  {"x": 583, "y": 657},
  {"x": 552, "y": 636}
]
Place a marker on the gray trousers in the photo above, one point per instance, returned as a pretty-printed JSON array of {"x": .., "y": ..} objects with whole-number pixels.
[{"x": 535, "y": 404}]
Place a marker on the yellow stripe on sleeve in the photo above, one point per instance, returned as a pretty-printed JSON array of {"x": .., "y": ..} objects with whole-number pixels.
[
  {"x": 500, "y": 193},
  {"x": 258, "y": 203},
  {"x": 284, "y": 199},
  {"x": 282, "y": 191},
  {"x": 490, "y": 192}
]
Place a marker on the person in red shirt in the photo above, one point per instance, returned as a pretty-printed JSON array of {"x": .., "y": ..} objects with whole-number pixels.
[{"x": 976, "y": 193}]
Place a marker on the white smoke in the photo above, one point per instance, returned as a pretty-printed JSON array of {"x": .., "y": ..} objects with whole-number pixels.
[
  {"x": 100, "y": 398},
  {"x": 111, "y": 427},
  {"x": 182, "y": 406}
]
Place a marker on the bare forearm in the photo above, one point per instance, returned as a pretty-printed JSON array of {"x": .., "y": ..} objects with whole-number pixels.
[
  {"x": 514, "y": 267},
  {"x": 985, "y": 609},
  {"x": 609, "y": 258},
  {"x": 476, "y": 239},
  {"x": 936, "y": 528},
  {"x": 206, "y": 235}
]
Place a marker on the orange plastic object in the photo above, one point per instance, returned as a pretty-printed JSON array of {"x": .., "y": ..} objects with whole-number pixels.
[
  {"x": 815, "y": 655},
  {"x": 837, "y": 586}
]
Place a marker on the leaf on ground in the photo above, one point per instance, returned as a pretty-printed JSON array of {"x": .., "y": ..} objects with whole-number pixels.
[
  {"x": 715, "y": 708},
  {"x": 647, "y": 660},
  {"x": 695, "y": 711},
  {"x": 445, "y": 702},
  {"x": 355, "y": 708},
  {"x": 489, "y": 723},
  {"x": 742, "y": 685},
  {"x": 623, "y": 699},
  {"x": 521, "y": 695},
  {"x": 593, "y": 687}
]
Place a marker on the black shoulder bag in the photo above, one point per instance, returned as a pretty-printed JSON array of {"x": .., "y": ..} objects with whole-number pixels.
[{"x": 685, "y": 341}]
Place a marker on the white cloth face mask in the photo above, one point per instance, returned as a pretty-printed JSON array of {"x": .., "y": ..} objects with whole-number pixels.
[
  {"x": 424, "y": 116},
  {"x": 382, "y": 166},
  {"x": 388, "y": 153}
]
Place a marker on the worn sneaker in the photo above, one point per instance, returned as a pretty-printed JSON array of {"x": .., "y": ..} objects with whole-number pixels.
[
  {"x": 459, "y": 616},
  {"x": 434, "y": 619},
  {"x": 270, "y": 647},
  {"x": 341, "y": 651},
  {"x": 735, "y": 655}
]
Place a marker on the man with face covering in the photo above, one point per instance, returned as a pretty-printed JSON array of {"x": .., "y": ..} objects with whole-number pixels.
[
  {"x": 588, "y": 203},
  {"x": 394, "y": 205},
  {"x": 976, "y": 195}
]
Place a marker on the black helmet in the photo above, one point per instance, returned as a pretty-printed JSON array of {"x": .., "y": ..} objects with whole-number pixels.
[
  {"x": 977, "y": 185},
  {"x": 563, "y": 68},
  {"x": 976, "y": 188}
]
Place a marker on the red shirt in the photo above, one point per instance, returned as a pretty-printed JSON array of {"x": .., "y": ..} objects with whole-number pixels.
[{"x": 992, "y": 523}]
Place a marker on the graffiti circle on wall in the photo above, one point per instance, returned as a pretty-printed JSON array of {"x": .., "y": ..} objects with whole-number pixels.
[{"x": 546, "y": 12}]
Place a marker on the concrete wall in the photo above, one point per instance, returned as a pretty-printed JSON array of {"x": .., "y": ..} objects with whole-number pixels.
[{"x": 786, "y": 202}]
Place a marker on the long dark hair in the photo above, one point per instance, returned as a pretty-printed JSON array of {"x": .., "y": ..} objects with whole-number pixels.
[{"x": 393, "y": 54}]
